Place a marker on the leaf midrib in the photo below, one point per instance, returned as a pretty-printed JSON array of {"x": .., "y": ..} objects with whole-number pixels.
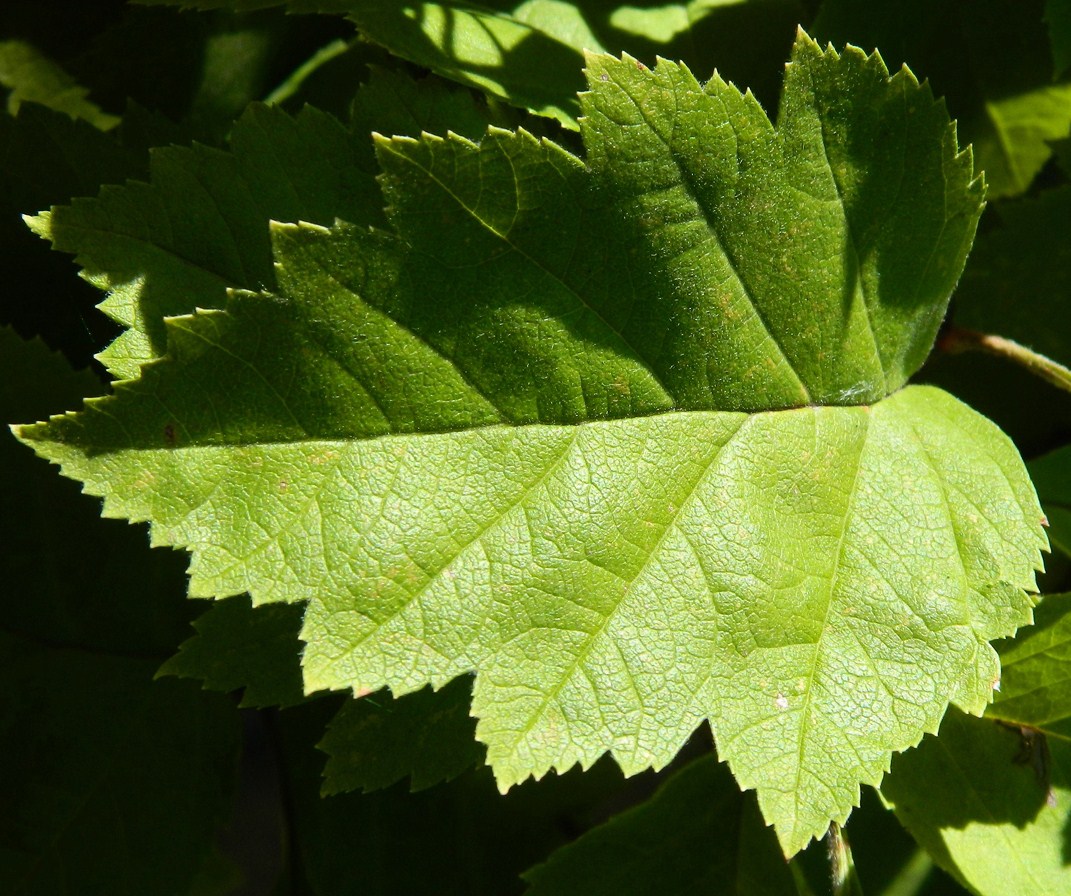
[{"x": 808, "y": 693}]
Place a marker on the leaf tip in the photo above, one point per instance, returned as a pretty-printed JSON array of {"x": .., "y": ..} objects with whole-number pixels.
[{"x": 40, "y": 224}]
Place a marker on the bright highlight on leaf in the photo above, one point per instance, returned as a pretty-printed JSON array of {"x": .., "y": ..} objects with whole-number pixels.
[{"x": 625, "y": 436}]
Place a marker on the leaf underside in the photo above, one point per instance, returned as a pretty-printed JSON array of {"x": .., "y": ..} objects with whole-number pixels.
[{"x": 578, "y": 428}]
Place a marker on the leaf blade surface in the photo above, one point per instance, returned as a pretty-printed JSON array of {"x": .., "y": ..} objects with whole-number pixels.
[{"x": 507, "y": 438}]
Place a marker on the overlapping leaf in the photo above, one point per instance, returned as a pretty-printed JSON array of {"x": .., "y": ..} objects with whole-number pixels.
[
  {"x": 990, "y": 803},
  {"x": 30, "y": 76},
  {"x": 993, "y": 60},
  {"x": 990, "y": 799},
  {"x": 598, "y": 431},
  {"x": 426, "y": 737},
  {"x": 200, "y": 225},
  {"x": 238, "y": 648},
  {"x": 530, "y": 52},
  {"x": 1036, "y": 681}
]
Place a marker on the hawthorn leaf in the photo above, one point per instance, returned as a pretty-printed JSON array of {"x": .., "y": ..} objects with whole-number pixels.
[
  {"x": 238, "y": 647},
  {"x": 838, "y": 310},
  {"x": 391, "y": 102},
  {"x": 1018, "y": 282},
  {"x": 49, "y": 157},
  {"x": 372, "y": 742},
  {"x": 427, "y": 737},
  {"x": 200, "y": 225},
  {"x": 1001, "y": 790},
  {"x": 800, "y": 705},
  {"x": 990, "y": 804},
  {"x": 696, "y": 834},
  {"x": 50, "y": 154},
  {"x": 574, "y": 427},
  {"x": 1051, "y": 475},
  {"x": 992, "y": 61}
]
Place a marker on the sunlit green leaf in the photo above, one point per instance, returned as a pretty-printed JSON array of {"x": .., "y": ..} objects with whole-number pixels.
[
  {"x": 1036, "y": 672},
  {"x": 30, "y": 76},
  {"x": 990, "y": 804},
  {"x": 530, "y": 52},
  {"x": 200, "y": 226},
  {"x": 573, "y": 426}
]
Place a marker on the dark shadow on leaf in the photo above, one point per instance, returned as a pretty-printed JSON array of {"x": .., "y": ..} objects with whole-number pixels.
[{"x": 977, "y": 772}]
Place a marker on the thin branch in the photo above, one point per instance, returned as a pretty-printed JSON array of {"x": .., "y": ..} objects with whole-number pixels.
[{"x": 958, "y": 339}]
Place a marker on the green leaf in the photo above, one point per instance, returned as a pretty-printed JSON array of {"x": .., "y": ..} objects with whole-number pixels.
[
  {"x": 990, "y": 806},
  {"x": 376, "y": 741},
  {"x": 49, "y": 157},
  {"x": 49, "y": 154},
  {"x": 1051, "y": 475},
  {"x": 1019, "y": 276},
  {"x": 1036, "y": 671},
  {"x": 565, "y": 430},
  {"x": 991, "y": 59},
  {"x": 29, "y": 76},
  {"x": 329, "y": 78},
  {"x": 237, "y": 647},
  {"x": 991, "y": 802},
  {"x": 697, "y": 834},
  {"x": 488, "y": 48},
  {"x": 200, "y": 226},
  {"x": 838, "y": 311},
  {"x": 530, "y": 53},
  {"x": 585, "y": 666}
]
